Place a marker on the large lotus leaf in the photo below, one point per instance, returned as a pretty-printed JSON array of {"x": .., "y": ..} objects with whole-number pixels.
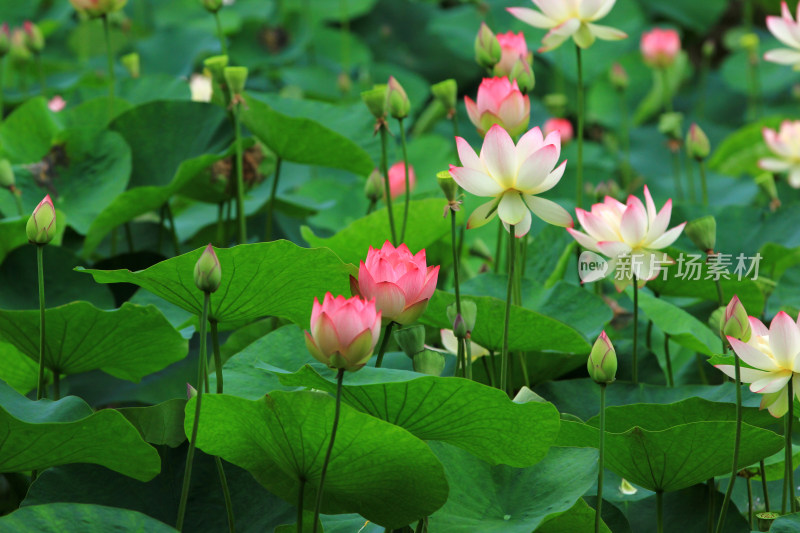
[
  {"x": 786, "y": 524},
  {"x": 275, "y": 278},
  {"x": 18, "y": 370},
  {"x": 80, "y": 518},
  {"x": 159, "y": 424},
  {"x": 129, "y": 343},
  {"x": 38, "y": 435},
  {"x": 302, "y": 139},
  {"x": 676, "y": 457},
  {"x": 579, "y": 518},
  {"x": 501, "y": 499},
  {"x": 376, "y": 469},
  {"x": 27, "y": 133},
  {"x": 470, "y": 415}
]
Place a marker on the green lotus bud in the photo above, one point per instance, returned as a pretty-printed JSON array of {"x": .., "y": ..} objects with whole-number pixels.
[
  {"x": 375, "y": 99},
  {"x": 703, "y": 233},
  {"x": 464, "y": 323},
  {"x": 602, "y": 364},
  {"x": 373, "y": 189},
  {"x": 429, "y": 362},
  {"x": 207, "y": 271},
  {"x": 737, "y": 323},
  {"x": 216, "y": 66},
  {"x": 618, "y": 77},
  {"x": 131, "y": 63},
  {"x": 523, "y": 74},
  {"x": 767, "y": 184},
  {"x": 447, "y": 93},
  {"x": 212, "y": 6},
  {"x": 396, "y": 99},
  {"x": 34, "y": 39},
  {"x": 749, "y": 41},
  {"x": 709, "y": 47},
  {"x": 41, "y": 226},
  {"x": 487, "y": 48},
  {"x": 6, "y": 174},
  {"x": 697, "y": 144},
  {"x": 236, "y": 77},
  {"x": 411, "y": 339},
  {"x": 447, "y": 184},
  {"x": 5, "y": 39},
  {"x": 671, "y": 124}
]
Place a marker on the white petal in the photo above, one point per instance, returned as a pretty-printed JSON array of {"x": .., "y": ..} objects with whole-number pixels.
[
  {"x": 551, "y": 180},
  {"x": 781, "y": 29},
  {"x": 468, "y": 156},
  {"x": 511, "y": 209},
  {"x": 772, "y": 382},
  {"x": 559, "y": 34},
  {"x": 521, "y": 229},
  {"x": 584, "y": 240},
  {"x": 535, "y": 169},
  {"x": 532, "y": 17},
  {"x": 499, "y": 155},
  {"x": 753, "y": 357},
  {"x": 667, "y": 238},
  {"x": 549, "y": 211},
  {"x": 606, "y": 33},
  {"x": 482, "y": 215},
  {"x": 613, "y": 249},
  {"x": 659, "y": 224},
  {"x": 634, "y": 222},
  {"x": 784, "y": 339},
  {"x": 773, "y": 165},
  {"x": 529, "y": 143},
  {"x": 475, "y": 182},
  {"x": 747, "y": 375}
]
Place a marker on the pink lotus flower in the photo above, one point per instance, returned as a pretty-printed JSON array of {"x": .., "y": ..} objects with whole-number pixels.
[
  {"x": 344, "y": 331},
  {"x": 41, "y": 227},
  {"x": 660, "y": 47},
  {"x": 97, "y": 8},
  {"x": 400, "y": 282},
  {"x": 773, "y": 355},
  {"x": 629, "y": 235},
  {"x": 561, "y": 125},
  {"x": 785, "y": 144},
  {"x": 499, "y": 102},
  {"x": 514, "y": 48},
  {"x": 512, "y": 176},
  {"x": 787, "y": 31},
  {"x": 397, "y": 179},
  {"x": 56, "y": 104},
  {"x": 569, "y": 18}
]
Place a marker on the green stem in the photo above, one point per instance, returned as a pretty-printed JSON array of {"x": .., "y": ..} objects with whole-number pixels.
[
  {"x": 387, "y": 190},
  {"x": 635, "y": 330},
  {"x": 221, "y": 224},
  {"x": 676, "y": 171},
  {"x": 201, "y": 370},
  {"x": 40, "y": 391},
  {"x": 660, "y": 511},
  {"x": 387, "y": 333},
  {"x": 220, "y": 34},
  {"x": 711, "y": 501},
  {"x": 762, "y": 469},
  {"x": 690, "y": 179},
  {"x": 18, "y": 200},
  {"x": 461, "y": 361},
  {"x": 736, "y": 440},
  {"x": 339, "y": 380},
  {"x": 468, "y": 357},
  {"x": 667, "y": 92},
  {"x": 300, "y": 499},
  {"x": 504, "y": 359},
  {"x": 454, "y": 246},
  {"x": 624, "y": 128},
  {"x": 499, "y": 249},
  {"x": 670, "y": 378},
  {"x": 217, "y": 354},
  {"x": 2, "y": 84},
  {"x": 703, "y": 181},
  {"x": 239, "y": 178},
  {"x": 788, "y": 459},
  {"x": 579, "y": 169},
  {"x": 111, "y": 76},
  {"x": 56, "y": 384},
  {"x": 271, "y": 204},
  {"x": 421, "y": 525},
  {"x": 226, "y": 494},
  {"x": 598, "y": 511},
  {"x": 408, "y": 184},
  {"x": 175, "y": 242},
  {"x": 129, "y": 237},
  {"x": 488, "y": 367},
  {"x": 750, "y": 503}
]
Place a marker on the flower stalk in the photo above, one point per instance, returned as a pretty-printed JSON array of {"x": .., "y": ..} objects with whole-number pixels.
[
  {"x": 387, "y": 188},
  {"x": 271, "y": 204},
  {"x": 581, "y": 118},
  {"x": 505, "y": 356},
  {"x": 407, "y": 182},
  {"x": 40, "y": 389},
  {"x": 339, "y": 380}
]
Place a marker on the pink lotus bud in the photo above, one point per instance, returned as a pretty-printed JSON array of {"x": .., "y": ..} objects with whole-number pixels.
[
  {"x": 34, "y": 38},
  {"x": 98, "y": 8},
  {"x": 397, "y": 179},
  {"x": 513, "y": 47},
  {"x": 41, "y": 226},
  {"x": 207, "y": 271},
  {"x": 561, "y": 125},
  {"x": 18, "y": 47},
  {"x": 618, "y": 77},
  {"x": 660, "y": 47},
  {"x": 344, "y": 331},
  {"x": 400, "y": 282},
  {"x": 737, "y": 323},
  {"x": 499, "y": 102},
  {"x": 5, "y": 39},
  {"x": 602, "y": 364},
  {"x": 397, "y": 102},
  {"x": 56, "y": 104},
  {"x": 191, "y": 392},
  {"x": 697, "y": 144}
]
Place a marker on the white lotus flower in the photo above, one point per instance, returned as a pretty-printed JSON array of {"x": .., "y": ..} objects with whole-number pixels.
[
  {"x": 785, "y": 144},
  {"x": 787, "y": 31}
]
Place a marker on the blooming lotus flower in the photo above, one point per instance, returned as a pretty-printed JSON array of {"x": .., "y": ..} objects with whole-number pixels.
[
  {"x": 512, "y": 176},
  {"x": 786, "y": 145},
  {"x": 629, "y": 234},
  {"x": 41, "y": 227},
  {"x": 400, "y": 282},
  {"x": 773, "y": 355},
  {"x": 98, "y": 8},
  {"x": 499, "y": 102},
  {"x": 561, "y": 125},
  {"x": 397, "y": 179},
  {"x": 513, "y": 48},
  {"x": 450, "y": 343},
  {"x": 660, "y": 47},
  {"x": 344, "y": 331},
  {"x": 569, "y": 18},
  {"x": 787, "y": 31},
  {"x": 201, "y": 88}
]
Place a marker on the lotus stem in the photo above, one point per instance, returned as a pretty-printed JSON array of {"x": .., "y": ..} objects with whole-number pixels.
[
  {"x": 625, "y": 139},
  {"x": 226, "y": 494},
  {"x": 217, "y": 354},
  {"x": 111, "y": 76},
  {"x": 271, "y": 204},
  {"x": 408, "y": 184},
  {"x": 598, "y": 511},
  {"x": 712, "y": 491},
  {"x": 387, "y": 333},
  {"x": 339, "y": 380},
  {"x": 505, "y": 356},
  {"x": 240, "y": 215},
  {"x": 736, "y": 441},
  {"x": 387, "y": 190},
  {"x": 789, "y": 462},
  {"x": 222, "y": 46},
  {"x": 660, "y": 511},
  {"x": 581, "y": 117},
  {"x": 703, "y": 182},
  {"x": 749, "y": 503},
  {"x": 763, "y": 471},
  {"x": 499, "y": 249},
  {"x": 40, "y": 390},
  {"x": 635, "y": 330},
  {"x": 670, "y": 379}
]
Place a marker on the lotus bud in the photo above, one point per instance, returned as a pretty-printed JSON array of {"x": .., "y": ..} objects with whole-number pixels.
[
  {"x": 447, "y": 93},
  {"x": 191, "y": 392},
  {"x": 376, "y": 100},
  {"x": 207, "y": 271},
  {"x": 767, "y": 184},
  {"x": 373, "y": 189},
  {"x": 18, "y": 51},
  {"x": 737, "y": 323},
  {"x": 709, "y": 47},
  {"x": 523, "y": 74},
  {"x": 34, "y": 39},
  {"x": 6, "y": 174},
  {"x": 749, "y": 41},
  {"x": 703, "y": 233},
  {"x": 5, "y": 39},
  {"x": 464, "y": 323},
  {"x": 236, "y": 77},
  {"x": 216, "y": 65},
  {"x": 697, "y": 144},
  {"x": 487, "y": 48},
  {"x": 411, "y": 339},
  {"x": 618, "y": 77},
  {"x": 98, "y": 8},
  {"x": 602, "y": 364},
  {"x": 626, "y": 488},
  {"x": 344, "y": 82},
  {"x": 670, "y": 124},
  {"x": 396, "y": 99},
  {"x": 131, "y": 63},
  {"x": 212, "y": 6},
  {"x": 429, "y": 362},
  {"x": 447, "y": 184},
  {"x": 41, "y": 226}
]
